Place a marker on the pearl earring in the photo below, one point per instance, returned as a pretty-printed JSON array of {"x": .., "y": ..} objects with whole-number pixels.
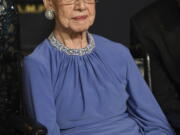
[{"x": 49, "y": 14}]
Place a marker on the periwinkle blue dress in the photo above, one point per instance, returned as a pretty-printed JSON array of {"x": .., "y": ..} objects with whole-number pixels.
[{"x": 98, "y": 93}]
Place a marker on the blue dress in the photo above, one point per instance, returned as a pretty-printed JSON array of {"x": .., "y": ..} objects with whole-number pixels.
[{"x": 98, "y": 93}]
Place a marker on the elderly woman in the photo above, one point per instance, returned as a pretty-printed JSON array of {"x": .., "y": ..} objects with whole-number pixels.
[{"x": 78, "y": 83}]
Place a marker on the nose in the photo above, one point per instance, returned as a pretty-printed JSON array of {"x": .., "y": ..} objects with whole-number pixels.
[{"x": 80, "y": 4}]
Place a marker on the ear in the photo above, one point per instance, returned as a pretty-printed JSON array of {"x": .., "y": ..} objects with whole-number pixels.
[{"x": 48, "y": 4}]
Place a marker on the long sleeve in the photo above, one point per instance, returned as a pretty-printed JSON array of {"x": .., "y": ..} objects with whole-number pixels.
[
  {"x": 38, "y": 95},
  {"x": 142, "y": 105}
]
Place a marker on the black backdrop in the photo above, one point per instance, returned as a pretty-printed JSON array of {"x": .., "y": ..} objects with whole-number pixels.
[
  {"x": 113, "y": 18},
  {"x": 112, "y": 21}
]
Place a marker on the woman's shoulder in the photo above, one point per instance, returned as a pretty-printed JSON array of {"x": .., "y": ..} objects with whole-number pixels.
[
  {"x": 39, "y": 54},
  {"x": 111, "y": 47},
  {"x": 115, "y": 55}
]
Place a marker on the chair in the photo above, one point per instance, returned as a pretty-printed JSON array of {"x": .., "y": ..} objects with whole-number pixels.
[{"x": 142, "y": 60}]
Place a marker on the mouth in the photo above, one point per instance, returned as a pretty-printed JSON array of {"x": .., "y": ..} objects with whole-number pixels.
[{"x": 80, "y": 18}]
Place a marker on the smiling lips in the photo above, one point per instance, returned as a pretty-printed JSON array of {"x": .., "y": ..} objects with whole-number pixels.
[{"x": 80, "y": 18}]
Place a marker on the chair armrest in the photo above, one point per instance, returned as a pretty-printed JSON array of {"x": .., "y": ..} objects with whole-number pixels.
[{"x": 143, "y": 61}]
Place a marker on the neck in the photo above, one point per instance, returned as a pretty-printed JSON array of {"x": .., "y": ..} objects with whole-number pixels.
[{"x": 72, "y": 40}]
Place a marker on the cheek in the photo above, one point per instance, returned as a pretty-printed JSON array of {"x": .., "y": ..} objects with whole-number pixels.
[
  {"x": 92, "y": 15},
  {"x": 64, "y": 17}
]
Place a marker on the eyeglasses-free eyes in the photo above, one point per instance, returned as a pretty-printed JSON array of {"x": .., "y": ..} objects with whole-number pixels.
[{"x": 71, "y": 2}]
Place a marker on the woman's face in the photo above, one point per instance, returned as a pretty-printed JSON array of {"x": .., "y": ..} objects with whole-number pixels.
[{"x": 77, "y": 17}]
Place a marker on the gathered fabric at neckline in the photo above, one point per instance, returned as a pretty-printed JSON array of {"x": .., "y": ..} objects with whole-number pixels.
[{"x": 79, "y": 52}]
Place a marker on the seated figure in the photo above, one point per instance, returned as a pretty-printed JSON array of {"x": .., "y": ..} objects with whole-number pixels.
[{"x": 78, "y": 83}]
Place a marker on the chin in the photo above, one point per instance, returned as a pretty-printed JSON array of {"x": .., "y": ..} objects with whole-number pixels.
[{"x": 80, "y": 28}]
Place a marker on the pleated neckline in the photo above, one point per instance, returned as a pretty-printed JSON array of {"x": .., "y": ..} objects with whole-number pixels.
[{"x": 73, "y": 52}]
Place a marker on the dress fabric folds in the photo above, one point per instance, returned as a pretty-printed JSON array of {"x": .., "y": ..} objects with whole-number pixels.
[{"x": 98, "y": 93}]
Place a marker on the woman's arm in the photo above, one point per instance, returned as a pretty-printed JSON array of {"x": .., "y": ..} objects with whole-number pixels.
[
  {"x": 142, "y": 105},
  {"x": 38, "y": 95}
]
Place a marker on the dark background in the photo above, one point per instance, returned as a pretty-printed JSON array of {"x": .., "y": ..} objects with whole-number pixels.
[{"x": 112, "y": 21}]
